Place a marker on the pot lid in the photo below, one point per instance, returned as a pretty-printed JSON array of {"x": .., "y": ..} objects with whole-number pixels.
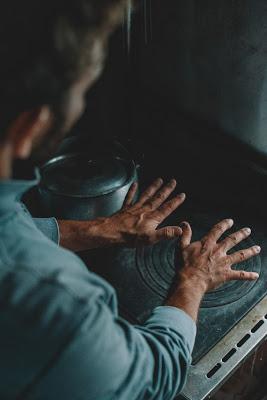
[{"x": 78, "y": 175}]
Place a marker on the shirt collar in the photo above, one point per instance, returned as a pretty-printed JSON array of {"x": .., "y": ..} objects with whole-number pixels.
[{"x": 11, "y": 191}]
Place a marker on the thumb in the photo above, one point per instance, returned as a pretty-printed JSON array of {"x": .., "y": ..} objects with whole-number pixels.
[
  {"x": 169, "y": 232},
  {"x": 186, "y": 235}
]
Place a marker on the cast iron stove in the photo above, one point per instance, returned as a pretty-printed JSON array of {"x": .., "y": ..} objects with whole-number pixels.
[{"x": 232, "y": 319}]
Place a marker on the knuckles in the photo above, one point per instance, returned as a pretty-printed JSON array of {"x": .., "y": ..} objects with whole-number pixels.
[
  {"x": 233, "y": 239},
  {"x": 242, "y": 275},
  {"x": 218, "y": 229},
  {"x": 161, "y": 197},
  {"x": 169, "y": 233}
]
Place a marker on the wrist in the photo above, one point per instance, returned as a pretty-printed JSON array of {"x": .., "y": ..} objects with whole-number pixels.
[
  {"x": 110, "y": 231},
  {"x": 188, "y": 281},
  {"x": 187, "y": 294},
  {"x": 186, "y": 291},
  {"x": 69, "y": 234}
]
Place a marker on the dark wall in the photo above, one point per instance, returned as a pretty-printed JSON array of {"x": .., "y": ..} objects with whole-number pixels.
[
  {"x": 210, "y": 57},
  {"x": 205, "y": 59}
]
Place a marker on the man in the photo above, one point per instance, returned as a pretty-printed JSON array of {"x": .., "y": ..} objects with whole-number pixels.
[{"x": 60, "y": 334}]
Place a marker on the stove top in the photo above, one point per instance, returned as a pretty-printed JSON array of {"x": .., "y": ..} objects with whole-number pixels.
[
  {"x": 157, "y": 267},
  {"x": 233, "y": 318},
  {"x": 142, "y": 278}
]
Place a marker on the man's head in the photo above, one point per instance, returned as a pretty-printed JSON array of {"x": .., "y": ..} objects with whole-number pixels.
[{"x": 51, "y": 52}]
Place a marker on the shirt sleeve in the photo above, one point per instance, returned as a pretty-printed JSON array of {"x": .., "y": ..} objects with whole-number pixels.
[
  {"x": 107, "y": 358},
  {"x": 49, "y": 227}
]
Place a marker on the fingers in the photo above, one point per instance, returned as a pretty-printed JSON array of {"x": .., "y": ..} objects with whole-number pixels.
[
  {"x": 186, "y": 236},
  {"x": 150, "y": 191},
  {"x": 237, "y": 237},
  {"x": 243, "y": 276},
  {"x": 244, "y": 255},
  {"x": 169, "y": 232},
  {"x": 218, "y": 230},
  {"x": 130, "y": 196},
  {"x": 162, "y": 195},
  {"x": 168, "y": 208}
]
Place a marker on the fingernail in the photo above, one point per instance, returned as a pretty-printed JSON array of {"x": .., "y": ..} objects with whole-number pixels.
[
  {"x": 258, "y": 249},
  {"x": 256, "y": 276},
  {"x": 231, "y": 221},
  {"x": 247, "y": 230},
  {"x": 182, "y": 195}
]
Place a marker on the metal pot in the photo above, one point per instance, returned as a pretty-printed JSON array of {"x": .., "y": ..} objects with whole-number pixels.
[{"x": 75, "y": 186}]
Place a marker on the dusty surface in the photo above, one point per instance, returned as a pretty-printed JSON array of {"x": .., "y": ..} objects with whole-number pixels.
[{"x": 250, "y": 381}]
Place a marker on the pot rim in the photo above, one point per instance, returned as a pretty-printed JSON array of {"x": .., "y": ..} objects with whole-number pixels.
[{"x": 42, "y": 186}]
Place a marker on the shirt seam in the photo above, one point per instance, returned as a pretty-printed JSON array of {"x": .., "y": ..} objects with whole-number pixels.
[{"x": 58, "y": 231}]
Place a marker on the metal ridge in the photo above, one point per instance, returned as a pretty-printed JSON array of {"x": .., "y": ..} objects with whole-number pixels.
[{"x": 226, "y": 356}]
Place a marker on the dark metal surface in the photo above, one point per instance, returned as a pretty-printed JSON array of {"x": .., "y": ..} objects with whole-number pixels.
[
  {"x": 75, "y": 186},
  {"x": 78, "y": 175},
  {"x": 142, "y": 279},
  {"x": 156, "y": 265},
  {"x": 225, "y": 357}
]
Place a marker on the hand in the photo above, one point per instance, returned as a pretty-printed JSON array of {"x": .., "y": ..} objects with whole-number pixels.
[
  {"x": 207, "y": 265},
  {"x": 137, "y": 224},
  {"x": 207, "y": 260},
  {"x": 134, "y": 225}
]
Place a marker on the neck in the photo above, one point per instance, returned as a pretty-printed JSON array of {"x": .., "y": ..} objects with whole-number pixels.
[{"x": 5, "y": 161}]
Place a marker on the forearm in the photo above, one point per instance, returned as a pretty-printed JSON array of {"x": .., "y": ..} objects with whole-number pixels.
[
  {"x": 86, "y": 235},
  {"x": 187, "y": 296},
  {"x": 170, "y": 336}
]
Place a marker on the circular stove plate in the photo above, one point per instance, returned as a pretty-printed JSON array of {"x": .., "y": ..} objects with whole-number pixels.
[{"x": 156, "y": 266}]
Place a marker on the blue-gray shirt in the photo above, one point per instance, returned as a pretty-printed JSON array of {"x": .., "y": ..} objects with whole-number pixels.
[{"x": 60, "y": 334}]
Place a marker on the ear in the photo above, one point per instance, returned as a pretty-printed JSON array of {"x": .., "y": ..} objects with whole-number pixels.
[{"x": 28, "y": 127}]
